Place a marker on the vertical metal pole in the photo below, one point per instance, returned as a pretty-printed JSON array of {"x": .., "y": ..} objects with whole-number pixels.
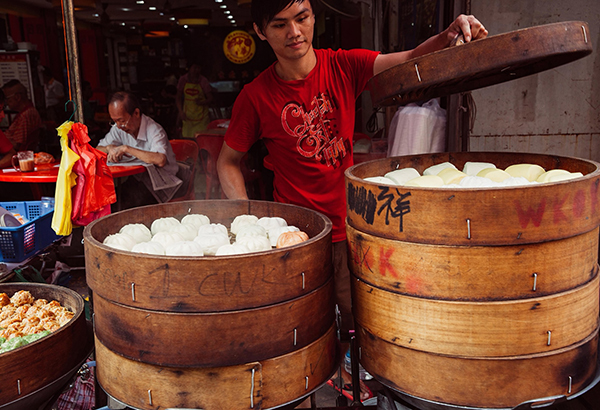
[
  {"x": 355, "y": 371},
  {"x": 72, "y": 58}
]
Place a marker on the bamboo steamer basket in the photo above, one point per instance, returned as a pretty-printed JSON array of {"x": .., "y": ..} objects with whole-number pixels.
[
  {"x": 29, "y": 373},
  {"x": 491, "y": 287},
  {"x": 210, "y": 283},
  {"x": 460, "y": 382},
  {"x": 142, "y": 334},
  {"x": 485, "y": 216},
  {"x": 255, "y": 385},
  {"x": 210, "y": 319}
]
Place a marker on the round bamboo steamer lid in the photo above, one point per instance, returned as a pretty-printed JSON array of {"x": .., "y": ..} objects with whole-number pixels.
[
  {"x": 214, "y": 339},
  {"x": 480, "y": 329},
  {"x": 28, "y": 369},
  {"x": 495, "y": 382},
  {"x": 254, "y": 385},
  {"x": 209, "y": 283},
  {"x": 481, "y": 63},
  {"x": 483, "y": 216},
  {"x": 465, "y": 272}
]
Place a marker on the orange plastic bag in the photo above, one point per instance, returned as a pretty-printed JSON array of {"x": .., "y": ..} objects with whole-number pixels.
[{"x": 95, "y": 189}]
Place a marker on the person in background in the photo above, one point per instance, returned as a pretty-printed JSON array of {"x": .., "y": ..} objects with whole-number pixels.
[
  {"x": 6, "y": 148},
  {"x": 135, "y": 135},
  {"x": 194, "y": 96},
  {"x": 89, "y": 113},
  {"x": 24, "y": 131},
  {"x": 10, "y": 191},
  {"x": 303, "y": 107},
  {"x": 54, "y": 93},
  {"x": 170, "y": 77}
]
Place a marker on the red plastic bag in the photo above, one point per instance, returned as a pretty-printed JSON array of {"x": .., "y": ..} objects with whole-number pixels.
[{"x": 95, "y": 189}]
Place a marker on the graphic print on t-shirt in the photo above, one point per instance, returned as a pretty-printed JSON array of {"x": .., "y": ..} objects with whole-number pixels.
[{"x": 312, "y": 130}]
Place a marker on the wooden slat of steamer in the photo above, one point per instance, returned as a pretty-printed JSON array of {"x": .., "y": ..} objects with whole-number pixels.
[
  {"x": 482, "y": 329},
  {"x": 214, "y": 339},
  {"x": 487, "y": 383},
  {"x": 308, "y": 368},
  {"x": 276, "y": 381},
  {"x": 480, "y": 63},
  {"x": 31, "y": 367},
  {"x": 473, "y": 272},
  {"x": 492, "y": 216},
  {"x": 208, "y": 284}
]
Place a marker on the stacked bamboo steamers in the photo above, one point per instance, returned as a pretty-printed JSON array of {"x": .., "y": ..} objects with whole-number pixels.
[
  {"x": 250, "y": 331},
  {"x": 482, "y": 297},
  {"x": 477, "y": 297}
]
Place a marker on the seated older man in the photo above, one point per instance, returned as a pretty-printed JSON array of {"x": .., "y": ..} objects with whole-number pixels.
[
  {"x": 135, "y": 135},
  {"x": 24, "y": 131}
]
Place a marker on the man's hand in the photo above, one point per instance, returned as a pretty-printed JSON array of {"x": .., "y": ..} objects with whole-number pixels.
[
  {"x": 468, "y": 26},
  {"x": 116, "y": 152}
]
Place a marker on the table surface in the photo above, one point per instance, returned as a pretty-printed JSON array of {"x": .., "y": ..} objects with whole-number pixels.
[{"x": 49, "y": 173}]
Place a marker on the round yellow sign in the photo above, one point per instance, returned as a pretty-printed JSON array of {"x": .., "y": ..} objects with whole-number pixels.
[{"x": 239, "y": 47}]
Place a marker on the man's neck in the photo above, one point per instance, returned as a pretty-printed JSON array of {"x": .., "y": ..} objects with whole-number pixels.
[
  {"x": 298, "y": 69},
  {"x": 24, "y": 106}
]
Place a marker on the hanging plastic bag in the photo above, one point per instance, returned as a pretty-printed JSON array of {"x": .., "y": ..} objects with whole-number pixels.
[
  {"x": 61, "y": 219},
  {"x": 418, "y": 129},
  {"x": 95, "y": 189}
]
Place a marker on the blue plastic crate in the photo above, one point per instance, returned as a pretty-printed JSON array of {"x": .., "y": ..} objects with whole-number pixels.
[{"x": 21, "y": 242}]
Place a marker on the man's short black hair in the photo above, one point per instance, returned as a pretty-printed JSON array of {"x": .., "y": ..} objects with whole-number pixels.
[
  {"x": 263, "y": 11},
  {"x": 16, "y": 87},
  {"x": 13, "y": 83},
  {"x": 130, "y": 101},
  {"x": 47, "y": 71}
]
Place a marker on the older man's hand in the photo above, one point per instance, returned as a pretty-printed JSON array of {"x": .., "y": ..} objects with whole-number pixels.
[{"x": 116, "y": 152}]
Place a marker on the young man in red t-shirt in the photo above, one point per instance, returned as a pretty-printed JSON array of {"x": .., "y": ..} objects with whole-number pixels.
[{"x": 303, "y": 107}]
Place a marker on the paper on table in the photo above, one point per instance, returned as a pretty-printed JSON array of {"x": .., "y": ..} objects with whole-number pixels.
[
  {"x": 132, "y": 163},
  {"x": 162, "y": 184}
]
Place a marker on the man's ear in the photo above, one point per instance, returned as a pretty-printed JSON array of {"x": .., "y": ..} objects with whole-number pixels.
[{"x": 259, "y": 32}]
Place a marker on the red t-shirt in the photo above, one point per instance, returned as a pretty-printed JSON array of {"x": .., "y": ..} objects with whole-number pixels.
[{"x": 307, "y": 126}]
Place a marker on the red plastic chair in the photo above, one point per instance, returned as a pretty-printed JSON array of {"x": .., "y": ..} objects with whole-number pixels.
[{"x": 186, "y": 151}]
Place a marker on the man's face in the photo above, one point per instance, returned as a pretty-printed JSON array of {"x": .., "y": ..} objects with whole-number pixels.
[
  {"x": 194, "y": 73},
  {"x": 121, "y": 118},
  {"x": 290, "y": 33},
  {"x": 13, "y": 98}
]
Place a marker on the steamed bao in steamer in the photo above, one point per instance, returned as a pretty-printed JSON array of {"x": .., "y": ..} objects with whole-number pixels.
[
  {"x": 473, "y": 175},
  {"x": 196, "y": 235}
]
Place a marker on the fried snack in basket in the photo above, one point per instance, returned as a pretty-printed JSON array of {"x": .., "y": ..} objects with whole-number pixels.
[{"x": 22, "y": 316}]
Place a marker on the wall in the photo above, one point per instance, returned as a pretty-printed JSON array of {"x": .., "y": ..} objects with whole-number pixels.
[
  {"x": 554, "y": 112},
  {"x": 44, "y": 31}
]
